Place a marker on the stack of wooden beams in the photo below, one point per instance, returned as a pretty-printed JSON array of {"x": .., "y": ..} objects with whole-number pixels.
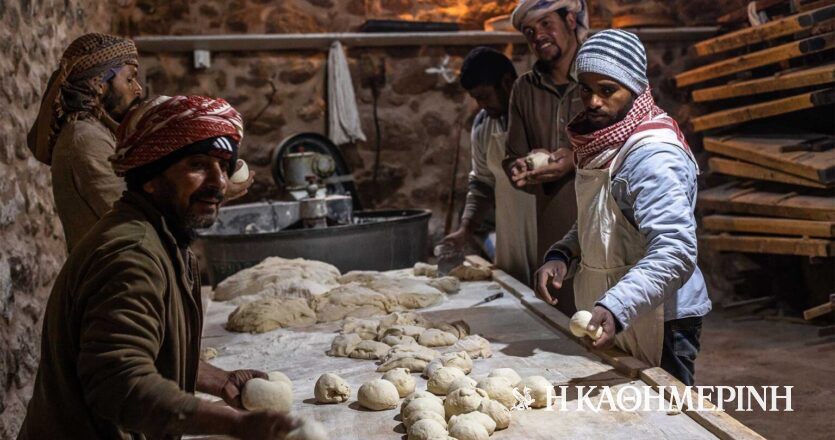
[{"x": 780, "y": 198}]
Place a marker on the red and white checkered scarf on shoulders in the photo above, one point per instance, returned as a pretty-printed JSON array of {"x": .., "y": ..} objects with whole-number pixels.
[{"x": 644, "y": 115}]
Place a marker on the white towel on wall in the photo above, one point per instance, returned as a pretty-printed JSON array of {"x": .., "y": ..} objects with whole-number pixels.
[{"x": 344, "y": 119}]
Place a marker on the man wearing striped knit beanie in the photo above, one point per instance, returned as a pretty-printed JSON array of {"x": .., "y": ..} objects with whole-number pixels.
[{"x": 635, "y": 237}]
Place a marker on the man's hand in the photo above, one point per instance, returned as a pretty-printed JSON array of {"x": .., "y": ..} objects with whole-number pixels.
[
  {"x": 238, "y": 190},
  {"x": 602, "y": 317},
  {"x": 553, "y": 271},
  {"x": 263, "y": 425},
  {"x": 458, "y": 239},
  {"x": 234, "y": 385},
  {"x": 560, "y": 164}
]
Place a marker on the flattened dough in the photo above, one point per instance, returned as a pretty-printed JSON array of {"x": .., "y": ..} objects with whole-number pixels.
[
  {"x": 269, "y": 314},
  {"x": 280, "y": 278}
]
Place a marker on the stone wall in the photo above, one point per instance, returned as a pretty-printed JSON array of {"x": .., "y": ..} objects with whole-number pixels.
[{"x": 33, "y": 34}]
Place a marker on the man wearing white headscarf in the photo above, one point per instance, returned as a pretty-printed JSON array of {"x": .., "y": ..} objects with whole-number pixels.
[{"x": 543, "y": 101}]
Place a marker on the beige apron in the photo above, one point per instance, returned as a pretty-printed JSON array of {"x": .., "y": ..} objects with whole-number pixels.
[
  {"x": 515, "y": 218},
  {"x": 610, "y": 245}
]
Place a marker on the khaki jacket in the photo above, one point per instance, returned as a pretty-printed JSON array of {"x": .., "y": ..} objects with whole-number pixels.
[
  {"x": 121, "y": 334},
  {"x": 84, "y": 184}
]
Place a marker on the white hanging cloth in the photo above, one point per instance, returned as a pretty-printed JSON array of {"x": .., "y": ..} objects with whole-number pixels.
[{"x": 344, "y": 120}]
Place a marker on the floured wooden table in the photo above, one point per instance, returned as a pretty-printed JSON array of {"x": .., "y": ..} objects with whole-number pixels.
[{"x": 519, "y": 339}]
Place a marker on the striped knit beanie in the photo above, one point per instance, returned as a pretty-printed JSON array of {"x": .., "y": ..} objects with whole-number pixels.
[{"x": 617, "y": 54}]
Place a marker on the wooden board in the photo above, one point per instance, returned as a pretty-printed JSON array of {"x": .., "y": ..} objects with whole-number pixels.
[
  {"x": 771, "y": 152},
  {"x": 781, "y": 81},
  {"x": 766, "y": 225},
  {"x": 720, "y": 423},
  {"x": 741, "y": 14},
  {"x": 818, "y": 311},
  {"x": 762, "y": 110},
  {"x": 763, "y": 57},
  {"x": 748, "y": 170},
  {"x": 758, "y": 244},
  {"x": 748, "y": 198},
  {"x": 768, "y": 31}
]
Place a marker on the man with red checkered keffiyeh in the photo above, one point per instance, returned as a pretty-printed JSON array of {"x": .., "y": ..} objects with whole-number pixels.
[{"x": 120, "y": 351}]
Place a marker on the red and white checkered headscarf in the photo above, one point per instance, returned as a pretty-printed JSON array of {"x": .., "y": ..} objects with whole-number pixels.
[{"x": 163, "y": 125}]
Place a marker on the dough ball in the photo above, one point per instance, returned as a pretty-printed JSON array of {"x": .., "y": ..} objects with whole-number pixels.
[
  {"x": 458, "y": 328},
  {"x": 441, "y": 379},
  {"x": 403, "y": 330},
  {"x": 208, "y": 354},
  {"x": 378, "y": 395},
  {"x": 402, "y": 380},
  {"x": 366, "y": 328},
  {"x": 508, "y": 373},
  {"x": 538, "y": 387},
  {"x": 343, "y": 345},
  {"x": 402, "y": 318},
  {"x": 423, "y": 404},
  {"x": 498, "y": 389},
  {"x": 471, "y": 273},
  {"x": 307, "y": 429},
  {"x": 537, "y": 160},
  {"x": 474, "y": 345},
  {"x": 411, "y": 356},
  {"x": 432, "y": 367},
  {"x": 426, "y": 270},
  {"x": 578, "y": 324},
  {"x": 468, "y": 429},
  {"x": 448, "y": 285},
  {"x": 369, "y": 350},
  {"x": 460, "y": 359},
  {"x": 463, "y": 400},
  {"x": 436, "y": 338},
  {"x": 418, "y": 395},
  {"x": 277, "y": 376},
  {"x": 242, "y": 174},
  {"x": 268, "y": 314},
  {"x": 331, "y": 388},
  {"x": 461, "y": 382},
  {"x": 427, "y": 429},
  {"x": 398, "y": 340},
  {"x": 478, "y": 417},
  {"x": 420, "y": 415},
  {"x": 498, "y": 412},
  {"x": 264, "y": 394}
]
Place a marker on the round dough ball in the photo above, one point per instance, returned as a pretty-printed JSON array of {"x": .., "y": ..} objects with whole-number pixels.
[
  {"x": 460, "y": 359},
  {"x": 463, "y": 400},
  {"x": 537, "y": 160},
  {"x": 578, "y": 324},
  {"x": 461, "y": 382},
  {"x": 307, "y": 429},
  {"x": 436, "y": 338},
  {"x": 420, "y": 415},
  {"x": 432, "y": 367},
  {"x": 478, "y": 417},
  {"x": 508, "y": 373},
  {"x": 441, "y": 379},
  {"x": 343, "y": 345},
  {"x": 264, "y": 394},
  {"x": 468, "y": 430},
  {"x": 398, "y": 340},
  {"x": 499, "y": 389},
  {"x": 423, "y": 404},
  {"x": 538, "y": 386},
  {"x": 418, "y": 395},
  {"x": 277, "y": 376},
  {"x": 242, "y": 174},
  {"x": 427, "y": 429},
  {"x": 498, "y": 412},
  {"x": 369, "y": 350},
  {"x": 378, "y": 395},
  {"x": 331, "y": 388},
  {"x": 402, "y": 380}
]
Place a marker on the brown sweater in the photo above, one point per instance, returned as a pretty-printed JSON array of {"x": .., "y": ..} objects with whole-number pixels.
[{"x": 121, "y": 335}]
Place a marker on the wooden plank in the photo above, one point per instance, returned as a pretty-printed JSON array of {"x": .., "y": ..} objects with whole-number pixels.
[
  {"x": 818, "y": 311},
  {"x": 771, "y": 152},
  {"x": 753, "y": 112},
  {"x": 719, "y": 423},
  {"x": 758, "y": 244},
  {"x": 741, "y": 14},
  {"x": 780, "y": 81},
  {"x": 768, "y": 31},
  {"x": 748, "y": 170},
  {"x": 763, "y": 57},
  {"x": 745, "y": 198},
  {"x": 766, "y": 225}
]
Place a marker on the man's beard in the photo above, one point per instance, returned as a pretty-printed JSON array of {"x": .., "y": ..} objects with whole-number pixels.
[
  {"x": 111, "y": 102},
  {"x": 594, "y": 125},
  {"x": 184, "y": 224}
]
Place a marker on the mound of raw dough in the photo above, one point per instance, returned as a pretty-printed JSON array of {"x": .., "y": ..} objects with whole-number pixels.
[
  {"x": 474, "y": 345},
  {"x": 508, "y": 373},
  {"x": 365, "y": 328},
  {"x": 442, "y": 378},
  {"x": 402, "y": 318},
  {"x": 538, "y": 387},
  {"x": 359, "y": 276},
  {"x": 425, "y": 270},
  {"x": 458, "y": 359},
  {"x": 420, "y": 394},
  {"x": 427, "y": 429},
  {"x": 463, "y": 400},
  {"x": 448, "y": 285},
  {"x": 369, "y": 350},
  {"x": 478, "y": 417},
  {"x": 266, "y": 394},
  {"x": 420, "y": 415},
  {"x": 281, "y": 278},
  {"x": 458, "y": 328},
  {"x": 331, "y": 388},
  {"x": 411, "y": 356},
  {"x": 268, "y": 314},
  {"x": 468, "y": 429},
  {"x": 407, "y": 293},
  {"x": 466, "y": 272},
  {"x": 436, "y": 338},
  {"x": 378, "y": 395},
  {"x": 343, "y": 345},
  {"x": 350, "y": 300},
  {"x": 498, "y": 389},
  {"x": 461, "y": 382},
  {"x": 423, "y": 404},
  {"x": 498, "y": 412},
  {"x": 402, "y": 380}
]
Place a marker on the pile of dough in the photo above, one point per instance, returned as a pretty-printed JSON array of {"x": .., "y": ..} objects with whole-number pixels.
[
  {"x": 436, "y": 338},
  {"x": 402, "y": 380},
  {"x": 461, "y": 382},
  {"x": 474, "y": 345},
  {"x": 398, "y": 340},
  {"x": 378, "y": 395},
  {"x": 423, "y": 404},
  {"x": 403, "y": 330},
  {"x": 359, "y": 276},
  {"x": 427, "y": 429},
  {"x": 442, "y": 378},
  {"x": 331, "y": 388},
  {"x": 420, "y": 415},
  {"x": 508, "y": 373},
  {"x": 267, "y": 394},
  {"x": 268, "y": 314},
  {"x": 463, "y": 400},
  {"x": 411, "y": 356},
  {"x": 343, "y": 345},
  {"x": 280, "y": 278},
  {"x": 476, "y": 416},
  {"x": 460, "y": 359},
  {"x": 420, "y": 394},
  {"x": 458, "y": 328},
  {"x": 498, "y": 389},
  {"x": 352, "y": 300},
  {"x": 538, "y": 387},
  {"x": 498, "y": 412},
  {"x": 426, "y": 270},
  {"x": 466, "y": 272},
  {"x": 306, "y": 429},
  {"x": 365, "y": 328},
  {"x": 468, "y": 429},
  {"x": 448, "y": 285},
  {"x": 407, "y": 293},
  {"x": 369, "y": 350},
  {"x": 402, "y": 318}
]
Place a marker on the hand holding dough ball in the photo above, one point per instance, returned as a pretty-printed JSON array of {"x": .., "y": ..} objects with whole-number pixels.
[
  {"x": 463, "y": 400},
  {"x": 242, "y": 174},
  {"x": 265, "y": 394},
  {"x": 475, "y": 416},
  {"x": 498, "y": 389},
  {"x": 538, "y": 387},
  {"x": 331, "y": 388},
  {"x": 378, "y": 395},
  {"x": 426, "y": 429},
  {"x": 498, "y": 412},
  {"x": 579, "y": 324},
  {"x": 442, "y": 378},
  {"x": 402, "y": 380},
  {"x": 537, "y": 160}
]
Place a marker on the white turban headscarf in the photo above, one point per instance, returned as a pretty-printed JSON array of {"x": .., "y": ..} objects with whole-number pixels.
[{"x": 529, "y": 11}]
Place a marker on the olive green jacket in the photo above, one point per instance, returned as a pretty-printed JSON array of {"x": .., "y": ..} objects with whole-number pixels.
[{"x": 121, "y": 335}]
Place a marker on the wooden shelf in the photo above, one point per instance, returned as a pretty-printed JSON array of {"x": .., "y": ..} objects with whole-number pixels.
[
  {"x": 809, "y": 247},
  {"x": 781, "y": 81},
  {"x": 762, "y": 110},
  {"x": 766, "y": 225},
  {"x": 749, "y": 198},
  {"x": 748, "y": 170}
]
